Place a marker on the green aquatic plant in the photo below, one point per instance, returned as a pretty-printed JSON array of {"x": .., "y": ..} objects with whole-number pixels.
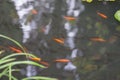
[
  {"x": 117, "y": 15},
  {"x": 39, "y": 78},
  {"x": 14, "y": 41},
  {"x": 8, "y": 62}
]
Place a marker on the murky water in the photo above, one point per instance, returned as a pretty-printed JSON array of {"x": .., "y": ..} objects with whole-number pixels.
[{"x": 43, "y": 21}]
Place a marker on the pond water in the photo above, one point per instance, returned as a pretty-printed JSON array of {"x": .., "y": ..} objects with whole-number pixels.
[{"x": 85, "y": 33}]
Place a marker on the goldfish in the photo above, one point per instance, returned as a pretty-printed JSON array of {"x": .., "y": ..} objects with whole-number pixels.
[
  {"x": 34, "y": 11},
  {"x": 69, "y": 18},
  {"x": 59, "y": 40},
  {"x": 35, "y": 59},
  {"x": 98, "y": 39},
  {"x": 39, "y": 60},
  {"x": 15, "y": 49},
  {"x": 44, "y": 63},
  {"x": 62, "y": 60},
  {"x": 102, "y": 15}
]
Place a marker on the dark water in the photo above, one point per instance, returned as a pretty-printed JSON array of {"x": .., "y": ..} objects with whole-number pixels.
[
  {"x": 89, "y": 56},
  {"x": 90, "y": 60}
]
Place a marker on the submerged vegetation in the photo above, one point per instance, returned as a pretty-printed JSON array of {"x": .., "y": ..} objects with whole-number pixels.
[{"x": 8, "y": 62}]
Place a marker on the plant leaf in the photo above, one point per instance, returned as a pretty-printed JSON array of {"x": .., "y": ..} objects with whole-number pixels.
[
  {"x": 22, "y": 62},
  {"x": 39, "y": 78},
  {"x": 12, "y": 55},
  {"x": 6, "y": 61},
  {"x": 14, "y": 41},
  {"x": 117, "y": 15}
]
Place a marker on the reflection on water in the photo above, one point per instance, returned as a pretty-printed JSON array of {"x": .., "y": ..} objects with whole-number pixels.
[{"x": 73, "y": 25}]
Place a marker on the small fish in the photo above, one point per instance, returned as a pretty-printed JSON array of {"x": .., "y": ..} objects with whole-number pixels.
[
  {"x": 15, "y": 49},
  {"x": 102, "y": 15},
  {"x": 35, "y": 59},
  {"x": 59, "y": 40},
  {"x": 69, "y": 18},
  {"x": 34, "y": 11},
  {"x": 62, "y": 60},
  {"x": 97, "y": 39},
  {"x": 44, "y": 63}
]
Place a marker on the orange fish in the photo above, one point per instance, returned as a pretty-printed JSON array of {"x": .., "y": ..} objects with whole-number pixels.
[
  {"x": 102, "y": 15},
  {"x": 44, "y": 63},
  {"x": 69, "y": 18},
  {"x": 62, "y": 60},
  {"x": 98, "y": 39},
  {"x": 34, "y": 11},
  {"x": 15, "y": 49},
  {"x": 59, "y": 40},
  {"x": 35, "y": 59}
]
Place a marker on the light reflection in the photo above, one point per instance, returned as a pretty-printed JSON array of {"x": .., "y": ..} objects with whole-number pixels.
[
  {"x": 70, "y": 67},
  {"x": 31, "y": 26}
]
